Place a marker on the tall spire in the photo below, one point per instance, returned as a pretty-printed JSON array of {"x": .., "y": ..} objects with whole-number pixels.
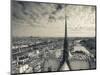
[
  {"x": 65, "y": 62},
  {"x": 65, "y": 40},
  {"x": 66, "y": 51}
]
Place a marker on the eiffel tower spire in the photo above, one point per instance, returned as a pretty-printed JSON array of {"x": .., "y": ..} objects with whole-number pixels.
[
  {"x": 66, "y": 51},
  {"x": 65, "y": 41},
  {"x": 65, "y": 47},
  {"x": 65, "y": 62}
]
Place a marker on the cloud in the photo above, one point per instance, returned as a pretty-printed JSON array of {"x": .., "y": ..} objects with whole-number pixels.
[
  {"x": 36, "y": 19},
  {"x": 31, "y": 14},
  {"x": 34, "y": 11},
  {"x": 81, "y": 20}
]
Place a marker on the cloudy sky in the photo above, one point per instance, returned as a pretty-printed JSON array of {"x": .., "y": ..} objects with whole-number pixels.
[{"x": 48, "y": 20}]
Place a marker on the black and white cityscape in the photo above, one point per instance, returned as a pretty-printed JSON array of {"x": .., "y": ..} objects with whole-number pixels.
[{"x": 51, "y": 37}]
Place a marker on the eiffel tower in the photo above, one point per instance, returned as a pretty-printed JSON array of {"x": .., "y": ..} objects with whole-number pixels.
[
  {"x": 65, "y": 62},
  {"x": 69, "y": 61}
]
